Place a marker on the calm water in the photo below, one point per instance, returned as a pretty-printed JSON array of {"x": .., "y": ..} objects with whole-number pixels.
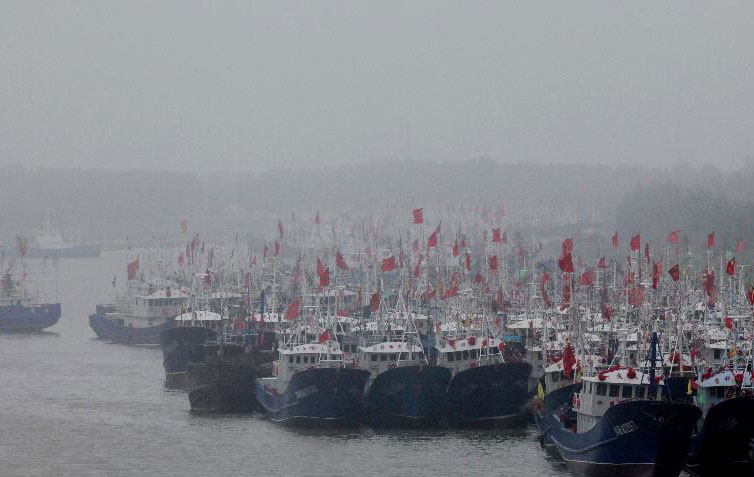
[{"x": 73, "y": 405}]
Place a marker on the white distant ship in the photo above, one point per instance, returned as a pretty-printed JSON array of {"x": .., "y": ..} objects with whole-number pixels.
[{"x": 49, "y": 243}]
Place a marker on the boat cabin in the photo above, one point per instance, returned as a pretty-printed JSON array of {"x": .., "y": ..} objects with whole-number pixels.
[
  {"x": 608, "y": 388},
  {"x": 459, "y": 355},
  {"x": 380, "y": 357},
  {"x": 719, "y": 387},
  {"x": 302, "y": 357},
  {"x": 162, "y": 304}
]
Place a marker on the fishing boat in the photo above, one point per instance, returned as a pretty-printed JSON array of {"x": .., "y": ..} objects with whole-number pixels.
[
  {"x": 623, "y": 425},
  {"x": 184, "y": 343},
  {"x": 140, "y": 320},
  {"x": 311, "y": 386},
  {"x": 485, "y": 390},
  {"x": 19, "y": 312},
  {"x": 726, "y": 426}
]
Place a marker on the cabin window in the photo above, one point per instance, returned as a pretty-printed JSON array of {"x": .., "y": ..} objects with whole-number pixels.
[
  {"x": 539, "y": 356},
  {"x": 451, "y": 357},
  {"x": 492, "y": 350},
  {"x": 626, "y": 392},
  {"x": 601, "y": 389},
  {"x": 459, "y": 355},
  {"x": 373, "y": 357},
  {"x": 290, "y": 359},
  {"x": 556, "y": 377},
  {"x": 393, "y": 357},
  {"x": 640, "y": 392},
  {"x": 305, "y": 360},
  {"x": 383, "y": 357},
  {"x": 404, "y": 356},
  {"x": 720, "y": 391},
  {"x": 614, "y": 388},
  {"x": 466, "y": 354},
  {"x": 717, "y": 354},
  {"x": 298, "y": 359}
]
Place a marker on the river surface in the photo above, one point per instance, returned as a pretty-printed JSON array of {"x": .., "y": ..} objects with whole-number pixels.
[{"x": 71, "y": 405}]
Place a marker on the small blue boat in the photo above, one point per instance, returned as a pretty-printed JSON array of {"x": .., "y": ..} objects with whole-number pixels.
[{"x": 19, "y": 313}]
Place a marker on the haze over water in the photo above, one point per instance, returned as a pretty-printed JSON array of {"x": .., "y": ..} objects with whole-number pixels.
[{"x": 72, "y": 405}]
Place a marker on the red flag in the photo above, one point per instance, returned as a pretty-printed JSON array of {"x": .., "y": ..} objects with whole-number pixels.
[
  {"x": 587, "y": 278},
  {"x": 675, "y": 272},
  {"x": 388, "y": 264},
  {"x": 320, "y": 267},
  {"x": 418, "y": 216},
  {"x": 292, "y": 312},
  {"x": 463, "y": 242},
  {"x": 545, "y": 278},
  {"x": 730, "y": 269},
  {"x": 750, "y": 296},
  {"x": 656, "y": 273},
  {"x": 635, "y": 243},
  {"x": 455, "y": 249},
  {"x": 711, "y": 240},
  {"x": 729, "y": 322},
  {"x": 569, "y": 359},
  {"x": 602, "y": 263},
  {"x": 567, "y": 246},
  {"x": 181, "y": 259},
  {"x": 740, "y": 246},
  {"x": 432, "y": 242},
  {"x": 493, "y": 262},
  {"x": 340, "y": 261},
  {"x": 450, "y": 292},
  {"x": 277, "y": 248},
  {"x": 673, "y": 237},
  {"x": 565, "y": 263},
  {"x": 496, "y": 237},
  {"x": 324, "y": 279},
  {"x": 324, "y": 337},
  {"x": 615, "y": 240},
  {"x": 184, "y": 226},
  {"x": 415, "y": 246},
  {"x": 374, "y": 302},
  {"x": 467, "y": 262},
  {"x": 418, "y": 267},
  {"x": 280, "y": 229},
  {"x": 636, "y": 296},
  {"x": 132, "y": 268}
]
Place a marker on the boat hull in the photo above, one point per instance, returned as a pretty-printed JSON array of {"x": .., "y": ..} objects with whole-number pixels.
[
  {"x": 644, "y": 438},
  {"x": 180, "y": 346},
  {"x": 318, "y": 397},
  {"x": 722, "y": 443},
  {"x": 33, "y": 318},
  {"x": 556, "y": 403},
  {"x": 489, "y": 396},
  {"x": 221, "y": 387},
  {"x": 105, "y": 328},
  {"x": 409, "y": 396}
]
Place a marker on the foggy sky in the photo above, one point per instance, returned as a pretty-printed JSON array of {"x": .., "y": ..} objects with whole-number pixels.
[{"x": 244, "y": 85}]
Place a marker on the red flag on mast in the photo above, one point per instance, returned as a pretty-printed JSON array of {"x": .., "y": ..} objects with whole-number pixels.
[
  {"x": 455, "y": 249},
  {"x": 496, "y": 237},
  {"x": 388, "y": 264},
  {"x": 615, "y": 240},
  {"x": 673, "y": 237},
  {"x": 567, "y": 246},
  {"x": 565, "y": 263},
  {"x": 730, "y": 269},
  {"x": 635, "y": 243},
  {"x": 340, "y": 261},
  {"x": 132, "y": 268},
  {"x": 418, "y": 216},
  {"x": 432, "y": 242},
  {"x": 711, "y": 240},
  {"x": 675, "y": 272},
  {"x": 292, "y": 311},
  {"x": 493, "y": 262}
]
